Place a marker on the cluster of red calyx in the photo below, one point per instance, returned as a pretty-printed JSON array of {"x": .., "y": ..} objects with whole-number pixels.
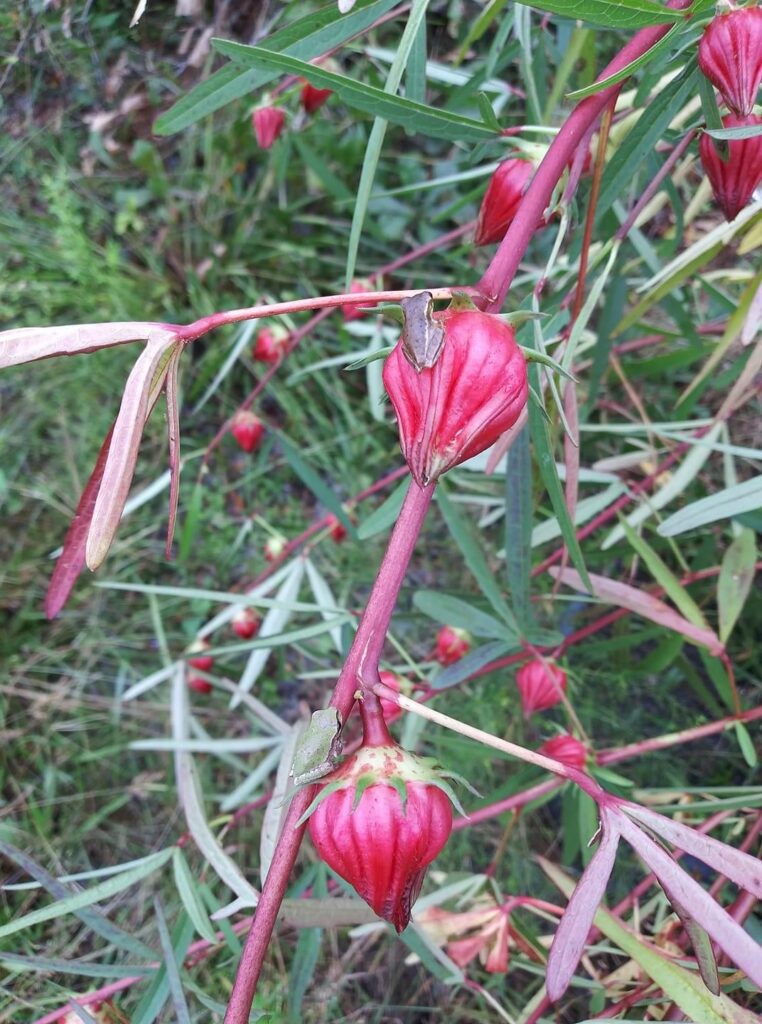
[
  {"x": 270, "y": 345},
  {"x": 457, "y": 408},
  {"x": 541, "y": 684},
  {"x": 567, "y": 749},
  {"x": 452, "y": 645},
  {"x": 353, "y": 311},
  {"x": 247, "y": 429},
  {"x": 501, "y": 200},
  {"x": 730, "y": 55},
  {"x": 268, "y": 124},
  {"x": 381, "y": 818}
]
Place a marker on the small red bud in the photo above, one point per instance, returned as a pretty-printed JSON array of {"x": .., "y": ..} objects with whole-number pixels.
[
  {"x": 391, "y": 711},
  {"x": 314, "y": 98},
  {"x": 274, "y": 547},
  {"x": 501, "y": 200},
  {"x": 247, "y": 429},
  {"x": 376, "y": 838},
  {"x": 352, "y": 311},
  {"x": 270, "y": 345},
  {"x": 540, "y": 685},
  {"x": 735, "y": 179},
  {"x": 268, "y": 124},
  {"x": 203, "y": 662},
  {"x": 245, "y": 623},
  {"x": 452, "y": 645},
  {"x": 337, "y": 529},
  {"x": 730, "y": 55},
  {"x": 567, "y": 749},
  {"x": 460, "y": 406},
  {"x": 199, "y": 685}
]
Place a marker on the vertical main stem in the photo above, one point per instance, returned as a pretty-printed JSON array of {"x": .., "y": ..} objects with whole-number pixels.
[{"x": 364, "y": 652}]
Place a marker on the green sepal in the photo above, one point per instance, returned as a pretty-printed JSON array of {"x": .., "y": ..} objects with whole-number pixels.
[
  {"x": 533, "y": 356},
  {"x": 326, "y": 790},
  {"x": 380, "y": 353},
  {"x": 460, "y": 303},
  {"x": 363, "y": 783},
  {"x": 401, "y": 786}
]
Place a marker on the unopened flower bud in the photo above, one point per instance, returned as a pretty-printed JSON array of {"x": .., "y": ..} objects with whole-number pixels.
[
  {"x": 501, "y": 200},
  {"x": 313, "y": 98},
  {"x": 200, "y": 660},
  {"x": 268, "y": 124},
  {"x": 458, "y": 407},
  {"x": 199, "y": 685},
  {"x": 452, "y": 645},
  {"x": 567, "y": 749},
  {"x": 353, "y": 311},
  {"x": 730, "y": 55},
  {"x": 270, "y": 345},
  {"x": 379, "y": 821},
  {"x": 735, "y": 179},
  {"x": 245, "y": 623},
  {"x": 247, "y": 429},
  {"x": 540, "y": 684},
  {"x": 337, "y": 529}
]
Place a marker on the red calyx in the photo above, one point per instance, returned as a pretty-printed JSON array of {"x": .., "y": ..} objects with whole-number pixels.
[
  {"x": 452, "y": 645},
  {"x": 337, "y": 529},
  {"x": 380, "y": 820},
  {"x": 501, "y": 200},
  {"x": 735, "y": 179},
  {"x": 269, "y": 346},
  {"x": 540, "y": 685},
  {"x": 730, "y": 55},
  {"x": 203, "y": 662},
  {"x": 460, "y": 406},
  {"x": 199, "y": 685},
  {"x": 314, "y": 98},
  {"x": 247, "y": 429},
  {"x": 268, "y": 124},
  {"x": 352, "y": 311},
  {"x": 245, "y": 623},
  {"x": 567, "y": 749}
]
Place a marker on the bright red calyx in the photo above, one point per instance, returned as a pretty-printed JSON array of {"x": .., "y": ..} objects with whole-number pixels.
[
  {"x": 199, "y": 685},
  {"x": 540, "y": 684},
  {"x": 247, "y": 429},
  {"x": 203, "y": 662},
  {"x": 380, "y": 820},
  {"x": 735, "y": 179},
  {"x": 730, "y": 55},
  {"x": 245, "y": 623},
  {"x": 268, "y": 124},
  {"x": 270, "y": 345},
  {"x": 501, "y": 200},
  {"x": 337, "y": 529},
  {"x": 567, "y": 749},
  {"x": 452, "y": 645},
  {"x": 353, "y": 311},
  {"x": 314, "y": 98},
  {"x": 460, "y": 406}
]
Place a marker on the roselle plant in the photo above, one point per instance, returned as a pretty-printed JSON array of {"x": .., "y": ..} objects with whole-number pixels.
[{"x": 466, "y": 395}]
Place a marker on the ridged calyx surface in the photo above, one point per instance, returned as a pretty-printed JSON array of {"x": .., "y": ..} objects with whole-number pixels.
[
  {"x": 567, "y": 749},
  {"x": 379, "y": 821},
  {"x": 540, "y": 684},
  {"x": 735, "y": 179},
  {"x": 730, "y": 55},
  {"x": 268, "y": 124},
  {"x": 501, "y": 200},
  {"x": 458, "y": 407}
]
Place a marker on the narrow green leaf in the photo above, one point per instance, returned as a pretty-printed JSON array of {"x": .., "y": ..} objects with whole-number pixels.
[
  {"x": 103, "y": 891},
  {"x": 640, "y": 142},
  {"x": 313, "y": 482},
  {"x": 415, "y": 74},
  {"x": 156, "y": 994},
  {"x": 728, "y": 503},
  {"x": 194, "y": 905},
  {"x": 473, "y": 662},
  {"x": 451, "y": 611},
  {"x": 81, "y": 968},
  {"x": 414, "y": 117},
  {"x": 735, "y": 580},
  {"x": 302, "y": 970},
  {"x": 471, "y": 547},
  {"x": 611, "y": 13},
  {"x": 748, "y": 131},
  {"x": 664, "y": 577},
  {"x": 306, "y": 38},
  {"x": 385, "y": 515},
  {"x": 172, "y": 966},
  {"x": 544, "y": 454},
  {"x": 746, "y": 744},
  {"x": 629, "y": 69},
  {"x": 518, "y": 527}
]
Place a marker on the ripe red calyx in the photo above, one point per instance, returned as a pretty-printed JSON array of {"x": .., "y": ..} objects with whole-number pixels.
[
  {"x": 567, "y": 749},
  {"x": 353, "y": 311},
  {"x": 270, "y": 345},
  {"x": 245, "y": 623},
  {"x": 314, "y": 98},
  {"x": 452, "y": 645},
  {"x": 730, "y": 55},
  {"x": 735, "y": 179},
  {"x": 203, "y": 662},
  {"x": 501, "y": 200},
  {"x": 540, "y": 684},
  {"x": 268, "y": 124},
  {"x": 461, "y": 405},
  {"x": 247, "y": 429}
]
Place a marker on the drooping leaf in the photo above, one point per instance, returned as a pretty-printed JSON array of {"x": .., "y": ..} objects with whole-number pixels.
[
  {"x": 173, "y": 435},
  {"x": 28, "y": 344}
]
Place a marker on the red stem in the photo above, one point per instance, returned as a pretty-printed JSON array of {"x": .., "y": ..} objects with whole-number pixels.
[{"x": 362, "y": 658}]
